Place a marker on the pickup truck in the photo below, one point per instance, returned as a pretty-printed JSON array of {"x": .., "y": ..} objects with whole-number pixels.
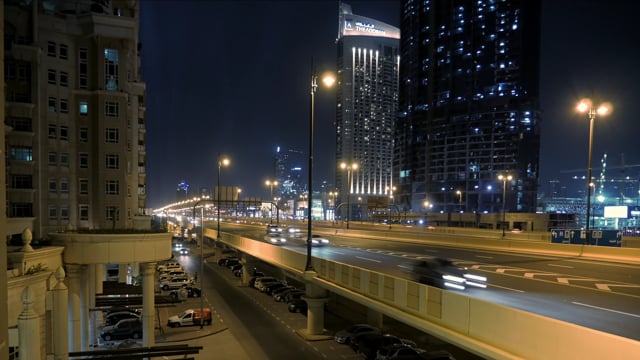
[{"x": 190, "y": 317}]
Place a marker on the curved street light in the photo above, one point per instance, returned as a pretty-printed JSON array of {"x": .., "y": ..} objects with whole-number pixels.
[
  {"x": 504, "y": 179},
  {"x": 349, "y": 168},
  {"x": 271, "y": 184},
  {"x": 328, "y": 80},
  {"x": 587, "y": 106},
  {"x": 459, "y": 193}
]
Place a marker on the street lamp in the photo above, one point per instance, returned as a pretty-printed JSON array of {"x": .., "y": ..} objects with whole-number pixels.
[
  {"x": 333, "y": 195},
  {"x": 459, "y": 193},
  {"x": 271, "y": 184},
  {"x": 349, "y": 167},
  {"x": 201, "y": 253},
  {"x": 328, "y": 80},
  {"x": 504, "y": 180},
  {"x": 427, "y": 205},
  {"x": 222, "y": 161},
  {"x": 587, "y": 106},
  {"x": 238, "y": 203}
]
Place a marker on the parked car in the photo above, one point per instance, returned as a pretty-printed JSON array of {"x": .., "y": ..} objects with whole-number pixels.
[
  {"x": 168, "y": 265},
  {"x": 443, "y": 273},
  {"x": 190, "y": 317},
  {"x": 275, "y": 239},
  {"x": 262, "y": 283},
  {"x": 269, "y": 289},
  {"x": 175, "y": 283},
  {"x": 232, "y": 262},
  {"x": 115, "y": 309},
  {"x": 317, "y": 240},
  {"x": 281, "y": 290},
  {"x": 297, "y": 306},
  {"x": 344, "y": 336},
  {"x": 292, "y": 295},
  {"x": 124, "y": 329},
  {"x": 280, "y": 297},
  {"x": 186, "y": 292},
  {"x": 114, "y": 317},
  {"x": 223, "y": 261},
  {"x": 368, "y": 344},
  {"x": 398, "y": 352},
  {"x": 253, "y": 279}
]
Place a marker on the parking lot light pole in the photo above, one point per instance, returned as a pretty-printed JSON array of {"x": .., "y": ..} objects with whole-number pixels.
[
  {"x": 504, "y": 180},
  {"x": 222, "y": 161},
  {"x": 201, "y": 256}
]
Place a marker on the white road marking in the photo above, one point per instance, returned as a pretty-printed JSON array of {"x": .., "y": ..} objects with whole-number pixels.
[
  {"x": 606, "y": 286},
  {"x": 605, "y": 309},
  {"x": 484, "y": 257},
  {"x": 506, "y": 288},
  {"x": 561, "y": 266},
  {"x": 364, "y": 258}
]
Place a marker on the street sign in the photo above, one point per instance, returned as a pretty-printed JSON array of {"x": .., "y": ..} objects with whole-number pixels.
[{"x": 578, "y": 237}]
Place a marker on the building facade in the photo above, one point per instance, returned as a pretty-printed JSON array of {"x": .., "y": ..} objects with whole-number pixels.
[
  {"x": 75, "y": 116},
  {"x": 367, "y": 99},
  {"x": 469, "y": 106}
]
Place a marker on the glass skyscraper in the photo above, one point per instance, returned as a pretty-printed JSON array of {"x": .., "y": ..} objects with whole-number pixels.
[{"x": 469, "y": 108}]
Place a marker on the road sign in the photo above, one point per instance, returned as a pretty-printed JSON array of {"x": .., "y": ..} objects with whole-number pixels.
[{"x": 578, "y": 237}]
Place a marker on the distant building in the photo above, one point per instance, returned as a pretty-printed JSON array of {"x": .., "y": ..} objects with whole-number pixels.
[
  {"x": 288, "y": 172},
  {"x": 75, "y": 110},
  {"x": 182, "y": 191},
  {"x": 469, "y": 108},
  {"x": 367, "y": 104}
]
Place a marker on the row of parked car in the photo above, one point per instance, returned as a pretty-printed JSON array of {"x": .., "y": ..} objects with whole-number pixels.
[
  {"x": 172, "y": 276},
  {"x": 371, "y": 343},
  {"x": 280, "y": 290}
]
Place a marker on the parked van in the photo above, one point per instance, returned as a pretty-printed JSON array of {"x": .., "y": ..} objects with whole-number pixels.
[{"x": 190, "y": 317}]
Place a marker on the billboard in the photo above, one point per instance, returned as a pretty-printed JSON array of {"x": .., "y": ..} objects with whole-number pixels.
[{"x": 616, "y": 212}]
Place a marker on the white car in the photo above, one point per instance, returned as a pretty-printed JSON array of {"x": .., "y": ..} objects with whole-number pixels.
[
  {"x": 175, "y": 283},
  {"x": 275, "y": 239},
  {"x": 273, "y": 229},
  {"x": 294, "y": 231},
  {"x": 317, "y": 240}
]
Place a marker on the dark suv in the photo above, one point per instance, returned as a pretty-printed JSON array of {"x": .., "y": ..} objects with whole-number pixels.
[{"x": 124, "y": 329}]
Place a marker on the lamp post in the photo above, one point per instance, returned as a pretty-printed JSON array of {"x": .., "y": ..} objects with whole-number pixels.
[
  {"x": 504, "y": 179},
  {"x": 328, "y": 81},
  {"x": 201, "y": 253},
  {"x": 587, "y": 106},
  {"x": 271, "y": 184},
  {"x": 238, "y": 203},
  {"x": 459, "y": 193},
  {"x": 222, "y": 161},
  {"x": 349, "y": 168},
  {"x": 426, "y": 205},
  {"x": 333, "y": 195}
]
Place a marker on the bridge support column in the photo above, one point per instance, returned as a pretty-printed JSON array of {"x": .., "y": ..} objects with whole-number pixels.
[
  {"x": 246, "y": 272},
  {"x": 148, "y": 299},
  {"x": 315, "y": 297},
  {"x": 374, "y": 318}
]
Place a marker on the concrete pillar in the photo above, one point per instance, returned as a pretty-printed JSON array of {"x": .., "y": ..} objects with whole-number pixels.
[
  {"x": 148, "y": 271},
  {"x": 75, "y": 287},
  {"x": 374, "y": 318},
  {"x": 316, "y": 297},
  {"x": 60, "y": 324},
  {"x": 93, "y": 325},
  {"x": 85, "y": 304},
  {"x": 123, "y": 272},
  {"x": 100, "y": 276},
  {"x": 29, "y": 328}
]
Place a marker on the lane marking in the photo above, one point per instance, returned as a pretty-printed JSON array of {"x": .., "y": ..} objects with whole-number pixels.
[
  {"x": 605, "y": 309},
  {"x": 561, "y": 266},
  {"x": 364, "y": 258},
  {"x": 506, "y": 288},
  {"x": 484, "y": 257}
]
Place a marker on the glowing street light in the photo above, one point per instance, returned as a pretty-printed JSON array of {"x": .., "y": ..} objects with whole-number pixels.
[
  {"x": 349, "y": 168},
  {"x": 587, "y": 106},
  {"x": 504, "y": 179},
  {"x": 222, "y": 161},
  {"x": 271, "y": 184},
  {"x": 459, "y": 193}
]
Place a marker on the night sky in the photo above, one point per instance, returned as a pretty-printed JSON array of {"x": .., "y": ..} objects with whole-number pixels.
[{"x": 233, "y": 78}]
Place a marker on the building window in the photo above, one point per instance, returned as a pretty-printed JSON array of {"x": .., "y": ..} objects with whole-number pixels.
[
  {"x": 21, "y": 153},
  {"x": 53, "y": 185},
  {"x": 21, "y": 210},
  {"x": 51, "y": 131},
  {"x": 112, "y": 213},
  {"x": 52, "y": 104},
  {"x": 83, "y": 186},
  {"x": 84, "y": 108},
  {"x": 64, "y": 212},
  {"x": 64, "y": 52},
  {"x": 83, "y": 212},
  {"x": 51, "y": 77},
  {"x": 112, "y": 187},
  {"x": 64, "y": 159},
  {"x": 111, "y": 135},
  {"x": 64, "y": 106},
  {"x": 64, "y": 133},
  {"x": 111, "y": 62},
  {"x": 51, "y": 49},
  {"x": 83, "y": 72},
  {"x": 20, "y": 124},
  {"x": 84, "y": 160},
  {"x": 111, "y": 109},
  {"x": 112, "y": 161},
  {"x": 53, "y": 212},
  {"x": 64, "y": 78},
  {"x": 22, "y": 182},
  {"x": 64, "y": 186},
  {"x": 84, "y": 135},
  {"x": 53, "y": 158}
]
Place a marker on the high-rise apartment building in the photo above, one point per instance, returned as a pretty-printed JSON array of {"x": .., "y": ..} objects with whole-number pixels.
[
  {"x": 75, "y": 114},
  {"x": 469, "y": 108},
  {"x": 367, "y": 104}
]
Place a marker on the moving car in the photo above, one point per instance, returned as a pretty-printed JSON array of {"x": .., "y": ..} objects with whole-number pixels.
[
  {"x": 294, "y": 231},
  {"x": 190, "y": 317},
  {"x": 443, "y": 273},
  {"x": 275, "y": 239},
  {"x": 273, "y": 229},
  {"x": 344, "y": 336},
  {"x": 184, "y": 251},
  {"x": 124, "y": 329},
  {"x": 317, "y": 240}
]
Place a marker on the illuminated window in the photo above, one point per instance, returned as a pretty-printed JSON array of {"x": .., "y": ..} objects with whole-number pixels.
[{"x": 84, "y": 108}]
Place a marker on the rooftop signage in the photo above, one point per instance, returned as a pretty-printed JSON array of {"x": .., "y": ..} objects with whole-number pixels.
[{"x": 355, "y": 25}]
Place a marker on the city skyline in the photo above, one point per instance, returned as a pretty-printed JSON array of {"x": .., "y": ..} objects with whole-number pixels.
[{"x": 275, "y": 58}]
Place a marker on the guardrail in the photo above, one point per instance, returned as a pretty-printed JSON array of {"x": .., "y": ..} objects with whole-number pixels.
[{"x": 487, "y": 329}]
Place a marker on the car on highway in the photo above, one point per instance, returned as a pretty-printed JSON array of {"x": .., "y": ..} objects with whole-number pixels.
[
  {"x": 124, "y": 329},
  {"x": 318, "y": 240},
  {"x": 275, "y": 239},
  {"x": 294, "y": 231},
  {"x": 273, "y": 229},
  {"x": 344, "y": 336},
  {"x": 442, "y": 273},
  {"x": 184, "y": 251}
]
